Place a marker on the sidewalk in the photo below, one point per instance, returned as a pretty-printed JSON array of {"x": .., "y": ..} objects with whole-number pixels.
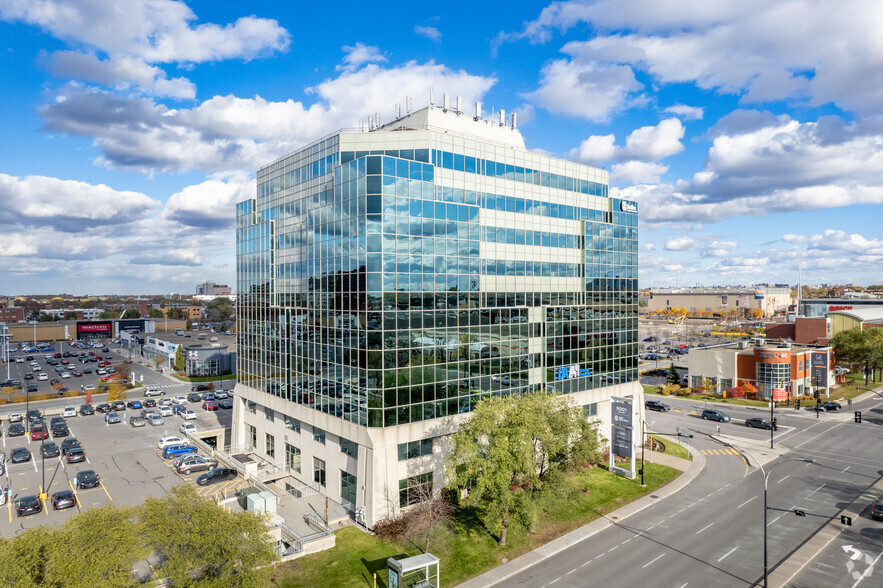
[{"x": 505, "y": 571}]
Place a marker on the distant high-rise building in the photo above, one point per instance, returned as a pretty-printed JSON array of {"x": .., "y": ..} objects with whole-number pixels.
[
  {"x": 212, "y": 289},
  {"x": 388, "y": 280}
]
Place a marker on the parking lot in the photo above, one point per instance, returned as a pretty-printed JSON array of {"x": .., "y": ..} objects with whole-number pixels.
[{"x": 127, "y": 460}]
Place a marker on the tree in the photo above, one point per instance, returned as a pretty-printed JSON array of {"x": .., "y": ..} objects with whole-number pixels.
[
  {"x": 70, "y": 316},
  {"x": 158, "y": 361},
  {"x": 116, "y": 391},
  {"x": 46, "y": 318},
  {"x": 431, "y": 513},
  {"x": 748, "y": 389},
  {"x": 673, "y": 377},
  {"x": 107, "y": 314},
  {"x": 194, "y": 536},
  {"x": 131, "y": 314},
  {"x": 179, "y": 358},
  {"x": 155, "y": 313},
  {"x": 175, "y": 313},
  {"x": 23, "y": 558},
  {"x": 512, "y": 445}
]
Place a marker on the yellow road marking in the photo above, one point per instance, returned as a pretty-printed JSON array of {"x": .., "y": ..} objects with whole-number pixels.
[
  {"x": 100, "y": 483},
  {"x": 45, "y": 510},
  {"x": 9, "y": 507}
]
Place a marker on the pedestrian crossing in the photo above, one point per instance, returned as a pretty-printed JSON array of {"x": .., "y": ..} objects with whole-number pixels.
[{"x": 725, "y": 451}]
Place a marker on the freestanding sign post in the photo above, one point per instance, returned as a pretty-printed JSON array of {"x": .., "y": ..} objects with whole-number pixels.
[{"x": 622, "y": 435}]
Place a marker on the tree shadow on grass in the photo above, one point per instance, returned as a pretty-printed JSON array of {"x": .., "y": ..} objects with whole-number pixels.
[
  {"x": 379, "y": 567},
  {"x": 468, "y": 521}
]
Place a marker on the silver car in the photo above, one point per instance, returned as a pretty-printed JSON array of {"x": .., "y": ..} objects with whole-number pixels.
[
  {"x": 196, "y": 463},
  {"x": 155, "y": 420}
]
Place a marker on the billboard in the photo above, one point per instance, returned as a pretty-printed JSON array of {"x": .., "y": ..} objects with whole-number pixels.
[
  {"x": 819, "y": 369},
  {"x": 105, "y": 328},
  {"x": 621, "y": 435}
]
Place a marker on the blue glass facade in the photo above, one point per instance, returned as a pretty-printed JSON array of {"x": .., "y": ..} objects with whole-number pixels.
[{"x": 388, "y": 286}]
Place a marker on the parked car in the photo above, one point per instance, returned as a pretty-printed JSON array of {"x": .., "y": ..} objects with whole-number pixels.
[
  {"x": 20, "y": 455},
  {"x": 195, "y": 463},
  {"x": 28, "y": 505},
  {"x": 712, "y": 414},
  {"x": 39, "y": 432},
  {"x": 69, "y": 411},
  {"x": 155, "y": 420},
  {"x": 225, "y": 403},
  {"x": 138, "y": 421},
  {"x": 656, "y": 405},
  {"x": 193, "y": 397},
  {"x": 34, "y": 414},
  {"x": 171, "y": 440},
  {"x": 112, "y": 417},
  {"x": 176, "y": 450},
  {"x": 877, "y": 510},
  {"x": 119, "y": 405},
  {"x": 49, "y": 449},
  {"x": 187, "y": 428},
  {"x": 180, "y": 400},
  {"x": 199, "y": 388},
  {"x": 149, "y": 403},
  {"x": 103, "y": 407},
  {"x": 63, "y": 499},
  {"x": 188, "y": 414},
  {"x": 86, "y": 409},
  {"x": 216, "y": 475},
  {"x": 60, "y": 430},
  {"x": 210, "y": 405},
  {"x": 220, "y": 394},
  {"x": 15, "y": 430},
  {"x": 87, "y": 479},
  {"x": 76, "y": 455},
  {"x": 15, "y": 417},
  {"x": 134, "y": 404},
  {"x": 68, "y": 444},
  {"x": 152, "y": 391},
  {"x": 165, "y": 411},
  {"x": 758, "y": 423}
]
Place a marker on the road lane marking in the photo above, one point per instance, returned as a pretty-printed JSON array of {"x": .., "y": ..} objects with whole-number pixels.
[
  {"x": 34, "y": 461},
  {"x": 555, "y": 580},
  {"x": 703, "y": 528},
  {"x": 783, "y": 479},
  {"x": 581, "y": 565},
  {"x": 819, "y": 435},
  {"x": 746, "y": 502},
  {"x": 571, "y": 571},
  {"x": 652, "y": 560},
  {"x": 724, "y": 556},
  {"x": 843, "y": 471},
  {"x": 9, "y": 507},
  {"x": 870, "y": 569},
  {"x": 814, "y": 491},
  {"x": 612, "y": 548}
]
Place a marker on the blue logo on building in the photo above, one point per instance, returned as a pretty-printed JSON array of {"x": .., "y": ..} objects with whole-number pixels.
[{"x": 566, "y": 372}]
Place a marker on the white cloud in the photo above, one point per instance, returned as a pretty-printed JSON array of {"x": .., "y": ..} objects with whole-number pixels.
[
  {"x": 681, "y": 244},
  {"x": 596, "y": 149},
  {"x": 359, "y": 54},
  {"x": 210, "y": 204},
  {"x": 637, "y": 172},
  {"x": 68, "y": 205},
  {"x": 157, "y": 31},
  {"x": 837, "y": 240},
  {"x": 586, "y": 89},
  {"x": 120, "y": 73},
  {"x": 645, "y": 144},
  {"x": 431, "y": 33},
  {"x": 687, "y": 112},
  {"x": 719, "y": 248},
  {"x": 231, "y": 133}
]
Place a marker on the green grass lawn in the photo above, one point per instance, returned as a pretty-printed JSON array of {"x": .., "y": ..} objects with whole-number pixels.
[
  {"x": 468, "y": 547},
  {"x": 674, "y": 449}
]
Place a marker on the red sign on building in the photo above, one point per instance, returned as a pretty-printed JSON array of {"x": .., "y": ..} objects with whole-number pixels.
[
  {"x": 94, "y": 328},
  {"x": 780, "y": 394}
]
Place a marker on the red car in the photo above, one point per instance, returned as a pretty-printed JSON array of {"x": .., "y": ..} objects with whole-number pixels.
[
  {"x": 39, "y": 432},
  {"x": 210, "y": 405}
]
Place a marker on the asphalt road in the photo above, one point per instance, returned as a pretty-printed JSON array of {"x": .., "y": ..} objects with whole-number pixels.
[{"x": 711, "y": 533}]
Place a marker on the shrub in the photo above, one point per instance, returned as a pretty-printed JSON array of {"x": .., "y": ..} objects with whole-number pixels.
[
  {"x": 391, "y": 528},
  {"x": 669, "y": 389},
  {"x": 685, "y": 391},
  {"x": 665, "y": 391}
]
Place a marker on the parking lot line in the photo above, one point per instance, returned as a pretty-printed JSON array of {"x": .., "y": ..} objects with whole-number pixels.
[
  {"x": 34, "y": 461},
  {"x": 46, "y": 510},
  {"x": 105, "y": 490},
  {"x": 9, "y": 507}
]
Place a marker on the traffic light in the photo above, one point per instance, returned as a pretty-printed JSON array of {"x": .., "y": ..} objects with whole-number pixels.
[
  {"x": 797, "y": 404},
  {"x": 858, "y": 416},
  {"x": 816, "y": 394},
  {"x": 845, "y": 520}
]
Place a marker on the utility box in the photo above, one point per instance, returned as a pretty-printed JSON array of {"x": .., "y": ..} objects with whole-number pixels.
[
  {"x": 255, "y": 503},
  {"x": 269, "y": 501}
]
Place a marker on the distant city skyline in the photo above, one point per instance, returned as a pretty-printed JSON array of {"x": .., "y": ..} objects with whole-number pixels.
[{"x": 136, "y": 131}]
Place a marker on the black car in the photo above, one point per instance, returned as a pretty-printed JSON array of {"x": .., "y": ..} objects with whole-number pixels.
[
  {"x": 76, "y": 455},
  {"x": 86, "y": 409},
  {"x": 68, "y": 443},
  {"x": 103, "y": 407},
  {"x": 658, "y": 372},
  {"x": 34, "y": 414},
  {"x": 149, "y": 403},
  {"x": 216, "y": 475},
  {"x": 656, "y": 405},
  {"x": 28, "y": 376},
  {"x": 15, "y": 430},
  {"x": 831, "y": 406},
  {"x": 28, "y": 505},
  {"x": 877, "y": 510},
  {"x": 63, "y": 499},
  {"x": 87, "y": 479},
  {"x": 199, "y": 388},
  {"x": 32, "y": 387},
  {"x": 225, "y": 403},
  {"x": 49, "y": 449},
  {"x": 60, "y": 430},
  {"x": 20, "y": 455},
  {"x": 761, "y": 424},
  {"x": 194, "y": 397}
]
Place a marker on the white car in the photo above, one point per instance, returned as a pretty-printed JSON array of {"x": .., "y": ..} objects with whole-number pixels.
[
  {"x": 172, "y": 440},
  {"x": 155, "y": 420},
  {"x": 69, "y": 411},
  {"x": 165, "y": 411},
  {"x": 65, "y": 375},
  {"x": 101, "y": 372},
  {"x": 188, "y": 428},
  {"x": 180, "y": 399},
  {"x": 220, "y": 394},
  {"x": 42, "y": 376},
  {"x": 153, "y": 392},
  {"x": 89, "y": 387},
  {"x": 19, "y": 360},
  {"x": 188, "y": 414}
]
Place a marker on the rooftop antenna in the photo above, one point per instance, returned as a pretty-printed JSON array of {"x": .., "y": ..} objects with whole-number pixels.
[
  {"x": 408, "y": 104},
  {"x": 502, "y": 117},
  {"x": 445, "y": 104},
  {"x": 431, "y": 102},
  {"x": 514, "y": 120},
  {"x": 376, "y": 121},
  {"x": 459, "y": 105},
  {"x": 398, "y": 111},
  {"x": 478, "y": 111}
]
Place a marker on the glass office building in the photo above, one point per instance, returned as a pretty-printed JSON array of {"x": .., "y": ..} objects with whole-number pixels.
[{"x": 389, "y": 279}]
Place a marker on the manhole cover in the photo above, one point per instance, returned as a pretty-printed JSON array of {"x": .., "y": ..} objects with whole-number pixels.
[{"x": 653, "y": 496}]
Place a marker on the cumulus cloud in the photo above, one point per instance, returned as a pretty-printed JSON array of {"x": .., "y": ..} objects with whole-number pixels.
[
  {"x": 681, "y": 244},
  {"x": 642, "y": 147},
  {"x": 837, "y": 240},
  {"x": 120, "y": 73},
  {"x": 430, "y": 33},
  {"x": 231, "y": 133},
  {"x": 719, "y": 248},
  {"x": 359, "y": 54},
  {"x": 68, "y": 205},
  {"x": 586, "y": 89},
  {"x": 738, "y": 48},
  {"x": 209, "y": 205},
  {"x": 637, "y": 172},
  {"x": 687, "y": 112}
]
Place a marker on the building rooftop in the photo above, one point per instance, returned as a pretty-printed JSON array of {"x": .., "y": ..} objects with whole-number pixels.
[
  {"x": 864, "y": 314},
  {"x": 450, "y": 120}
]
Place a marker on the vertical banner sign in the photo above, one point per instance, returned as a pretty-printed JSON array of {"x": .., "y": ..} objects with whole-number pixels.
[
  {"x": 621, "y": 434},
  {"x": 819, "y": 369}
]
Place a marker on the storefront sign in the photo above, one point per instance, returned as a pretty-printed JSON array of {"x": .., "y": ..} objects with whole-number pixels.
[
  {"x": 94, "y": 328},
  {"x": 773, "y": 355},
  {"x": 833, "y": 308},
  {"x": 565, "y": 372},
  {"x": 193, "y": 356},
  {"x": 621, "y": 412}
]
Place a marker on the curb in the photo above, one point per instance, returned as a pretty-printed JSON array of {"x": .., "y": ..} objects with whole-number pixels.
[{"x": 505, "y": 571}]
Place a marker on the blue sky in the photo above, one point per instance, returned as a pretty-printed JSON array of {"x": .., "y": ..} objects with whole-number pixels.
[{"x": 750, "y": 133}]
